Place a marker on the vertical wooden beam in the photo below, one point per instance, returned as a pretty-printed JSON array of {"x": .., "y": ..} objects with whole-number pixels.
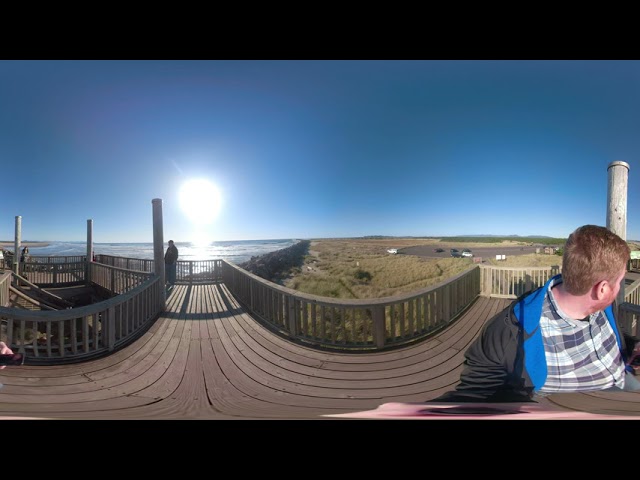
[
  {"x": 378, "y": 326},
  {"x": 89, "y": 251},
  {"x": 618, "y": 173},
  {"x": 16, "y": 245},
  {"x": 158, "y": 246}
]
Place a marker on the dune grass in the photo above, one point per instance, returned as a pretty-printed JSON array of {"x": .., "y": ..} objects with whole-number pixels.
[{"x": 362, "y": 268}]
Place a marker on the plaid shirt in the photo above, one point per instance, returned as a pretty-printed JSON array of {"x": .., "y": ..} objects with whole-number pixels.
[{"x": 581, "y": 355}]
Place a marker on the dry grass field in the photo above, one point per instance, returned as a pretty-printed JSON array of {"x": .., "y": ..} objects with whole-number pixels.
[{"x": 362, "y": 268}]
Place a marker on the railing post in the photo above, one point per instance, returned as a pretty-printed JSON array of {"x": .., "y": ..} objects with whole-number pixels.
[
  {"x": 378, "y": 326},
  {"x": 16, "y": 245},
  {"x": 158, "y": 245},
  {"x": 87, "y": 271},
  {"x": 111, "y": 328},
  {"x": 291, "y": 314},
  {"x": 447, "y": 303}
]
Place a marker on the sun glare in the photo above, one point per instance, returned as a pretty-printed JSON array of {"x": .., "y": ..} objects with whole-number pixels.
[{"x": 200, "y": 200}]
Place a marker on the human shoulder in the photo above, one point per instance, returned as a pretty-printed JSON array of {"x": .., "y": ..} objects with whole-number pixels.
[{"x": 504, "y": 319}]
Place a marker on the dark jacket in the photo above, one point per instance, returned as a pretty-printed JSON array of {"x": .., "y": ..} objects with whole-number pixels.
[
  {"x": 507, "y": 362},
  {"x": 171, "y": 255}
]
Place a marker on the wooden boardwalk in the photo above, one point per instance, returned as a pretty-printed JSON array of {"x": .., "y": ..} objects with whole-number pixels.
[{"x": 207, "y": 358}]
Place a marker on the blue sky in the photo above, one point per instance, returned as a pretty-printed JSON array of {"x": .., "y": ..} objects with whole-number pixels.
[{"x": 310, "y": 149}]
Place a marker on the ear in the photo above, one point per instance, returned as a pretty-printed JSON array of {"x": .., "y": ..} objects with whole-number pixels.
[{"x": 600, "y": 289}]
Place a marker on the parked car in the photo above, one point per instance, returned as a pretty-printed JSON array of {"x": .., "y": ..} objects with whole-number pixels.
[
  {"x": 455, "y": 253},
  {"x": 467, "y": 253}
]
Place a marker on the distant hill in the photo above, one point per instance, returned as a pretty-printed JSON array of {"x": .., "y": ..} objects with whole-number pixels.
[
  {"x": 487, "y": 238},
  {"x": 544, "y": 240}
]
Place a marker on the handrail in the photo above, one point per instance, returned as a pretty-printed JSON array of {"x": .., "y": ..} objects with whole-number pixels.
[
  {"x": 83, "y": 332},
  {"x": 346, "y": 324},
  {"x": 187, "y": 271},
  {"x": 511, "y": 282},
  {"x": 632, "y": 293},
  {"x": 37, "y": 302},
  {"x": 5, "y": 283},
  {"x": 41, "y": 291},
  {"x": 358, "y": 324}
]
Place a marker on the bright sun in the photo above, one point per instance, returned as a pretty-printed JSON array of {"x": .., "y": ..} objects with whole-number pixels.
[{"x": 200, "y": 200}]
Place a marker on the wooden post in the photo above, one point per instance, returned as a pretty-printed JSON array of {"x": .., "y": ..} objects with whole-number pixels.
[
  {"x": 111, "y": 328},
  {"x": 618, "y": 173},
  {"x": 89, "y": 251},
  {"x": 16, "y": 245},
  {"x": 158, "y": 245},
  {"x": 378, "y": 326}
]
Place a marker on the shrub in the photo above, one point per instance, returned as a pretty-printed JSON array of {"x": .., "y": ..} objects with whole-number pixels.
[{"x": 362, "y": 275}]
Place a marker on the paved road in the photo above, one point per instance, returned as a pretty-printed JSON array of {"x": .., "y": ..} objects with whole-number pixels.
[{"x": 484, "y": 252}]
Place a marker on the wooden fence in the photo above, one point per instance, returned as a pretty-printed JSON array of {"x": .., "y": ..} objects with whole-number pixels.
[
  {"x": 187, "y": 271},
  {"x": 54, "y": 271},
  {"x": 353, "y": 324},
  {"x": 5, "y": 283},
  {"x": 511, "y": 282},
  {"x": 84, "y": 332},
  {"x": 365, "y": 324}
]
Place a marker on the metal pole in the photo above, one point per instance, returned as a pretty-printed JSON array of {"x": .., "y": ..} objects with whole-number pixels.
[
  {"x": 158, "y": 243},
  {"x": 618, "y": 173},
  {"x": 89, "y": 250},
  {"x": 16, "y": 245}
]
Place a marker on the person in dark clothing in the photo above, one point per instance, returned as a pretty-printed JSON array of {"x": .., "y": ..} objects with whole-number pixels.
[
  {"x": 170, "y": 259},
  {"x": 25, "y": 254},
  {"x": 562, "y": 337}
]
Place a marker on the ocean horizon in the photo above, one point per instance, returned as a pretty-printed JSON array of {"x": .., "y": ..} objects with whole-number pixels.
[{"x": 236, "y": 251}]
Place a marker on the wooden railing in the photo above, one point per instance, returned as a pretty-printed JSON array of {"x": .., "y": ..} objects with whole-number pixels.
[
  {"x": 116, "y": 280},
  {"x": 360, "y": 325},
  {"x": 83, "y": 332},
  {"x": 5, "y": 283},
  {"x": 511, "y": 282},
  {"x": 139, "y": 264},
  {"x": 628, "y": 315},
  {"x": 54, "y": 271},
  {"x": 632, "y": 293},
  {"x": 353, "y": 324},
  {"x": 187, "y": 271}
]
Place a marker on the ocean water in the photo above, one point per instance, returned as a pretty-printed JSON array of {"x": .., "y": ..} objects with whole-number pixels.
[{"x": 233, "y": 251}]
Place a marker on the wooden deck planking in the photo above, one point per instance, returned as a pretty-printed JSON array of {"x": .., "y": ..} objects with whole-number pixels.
[
  {"x": 384, "y": 378},
  {"x": 206, "y": 357}
]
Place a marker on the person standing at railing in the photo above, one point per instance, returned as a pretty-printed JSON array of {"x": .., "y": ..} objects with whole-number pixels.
[
  {"x": 170, "y": 259},
  {"x": 562, "y": 337}
]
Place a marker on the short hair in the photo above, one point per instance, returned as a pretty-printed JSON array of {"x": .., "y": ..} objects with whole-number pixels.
[
  {"x": 170, "y": 241},
  {"x": 592, "y": 254}
]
